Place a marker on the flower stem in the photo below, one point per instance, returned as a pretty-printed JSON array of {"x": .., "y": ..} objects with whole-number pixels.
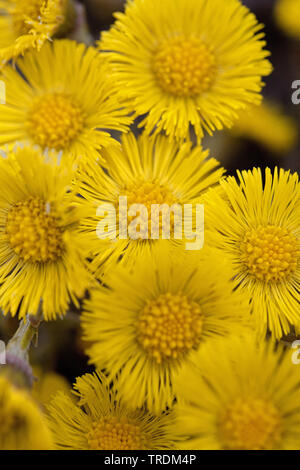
[
  {"x": 22, "y": 339},
  {"x": 18, "y": 369}
]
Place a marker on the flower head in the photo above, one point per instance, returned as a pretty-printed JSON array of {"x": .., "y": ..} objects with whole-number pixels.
[
  {"x": 63, "y": 100},
  {"x": 40, "y": 250},
  {"x": 185, "y": 64},
  {"x": 148, "y": 321},
  {"x": 244, "y": 396},
  {"x": 27, "y": 24},
  {"x": 147, "y": 171},
  {"x": 256, "y": 222},
  {"x": 99, "y": 420},
  {"x": 22, "y": 425}
]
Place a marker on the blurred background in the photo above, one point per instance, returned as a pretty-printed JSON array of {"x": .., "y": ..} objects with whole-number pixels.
[{"x": 265, "y": 136}]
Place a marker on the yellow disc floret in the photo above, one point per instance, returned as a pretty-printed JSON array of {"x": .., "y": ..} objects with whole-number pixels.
[
  {"x": 271, "y": 253},
  {"x": 251, "y": 424},
  {"x": 184, "y": 66},
  {"x": 113, "y": 433},
  {"x": 33, "y": 231},
  {"x": 148, "y": 193},
  {"x": 170, "y": 326},
  {"x": 54, "y": 121}
]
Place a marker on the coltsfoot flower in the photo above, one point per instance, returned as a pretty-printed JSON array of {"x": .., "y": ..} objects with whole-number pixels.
[
  {"x": 99, "y": 420},
  {"x": 239, "y": 395},
  {"x": 255, "y": 220},
  {"x": 63, "y": 100},
  {"x": 147, "y": 171},
  {"x": 145, "y": 323},
  {"x": 41, "y": 257},
  {"x": 187, "y": 63}
]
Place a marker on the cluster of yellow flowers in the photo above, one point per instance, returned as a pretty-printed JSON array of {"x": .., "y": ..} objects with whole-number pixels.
[{"x": 185, "y": 344}]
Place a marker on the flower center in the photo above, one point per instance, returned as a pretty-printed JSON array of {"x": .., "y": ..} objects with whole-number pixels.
[
  {"x": 112, "y": 433},
  {"x": 185, "y": 66},
  {"x": 33, "y": 232},
  {"x": 271, "y": 253},
  {"x": 54, "y": 121},
  {"x": 250, "y": 425},
  {"x": 23, "y": 11},
  {"x": 148, "y": 193},
  {"x": 169, "y": 326}
]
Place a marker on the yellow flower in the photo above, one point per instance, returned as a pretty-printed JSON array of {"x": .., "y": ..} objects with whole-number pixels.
[
  {"x": 27, "y": 24},
  {"x": 147, "y": 171},
  {"x": 63, "y": 100},
  {"x": 186, "y": 63},
  {"x": 100, "y": 420},
  {"x": 40, "y": 250},
  {"x": 287, "y": 13},
  {"x": 147, "y": 322},
  {"x": 244, "y": 396},
  {"x": 267, "y": 125},
  {"x": 256, "y": 222},
  {"x": 22, "y": 425}
]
